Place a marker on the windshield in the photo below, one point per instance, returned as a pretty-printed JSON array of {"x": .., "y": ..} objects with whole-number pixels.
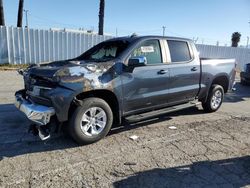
[{"x": 104, "y": 51}]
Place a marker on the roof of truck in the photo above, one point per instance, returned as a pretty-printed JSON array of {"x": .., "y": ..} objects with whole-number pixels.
[{"x": 134, "y": 37}]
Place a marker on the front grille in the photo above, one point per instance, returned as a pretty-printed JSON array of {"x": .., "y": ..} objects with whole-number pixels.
[
  {"x": 31, "y": 80},
  {"x": 29, "y": 83}
]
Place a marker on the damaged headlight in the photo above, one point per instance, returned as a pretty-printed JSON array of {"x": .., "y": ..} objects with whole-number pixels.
[{"x": 39, "y": 90}]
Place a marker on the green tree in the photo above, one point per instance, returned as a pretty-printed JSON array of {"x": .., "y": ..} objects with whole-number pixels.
[
  {"x": 235, "y": 39},
  {"x": 2, "y": 22},
  {"x": 101, "y": 17}
]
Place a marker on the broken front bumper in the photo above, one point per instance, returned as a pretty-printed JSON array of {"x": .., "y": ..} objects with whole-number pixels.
[{"x": 38, "y": 114}]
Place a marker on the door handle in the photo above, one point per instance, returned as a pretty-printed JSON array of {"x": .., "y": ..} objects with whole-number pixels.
[
  {"x": 194, "y": 69},
  {"x": 162, "y": 72}
]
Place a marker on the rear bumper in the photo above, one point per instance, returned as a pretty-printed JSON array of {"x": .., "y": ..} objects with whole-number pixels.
[{"x": 38, "y": 114}]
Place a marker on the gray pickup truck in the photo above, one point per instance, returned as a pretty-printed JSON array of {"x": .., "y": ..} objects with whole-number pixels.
[{"x": 131, "y": 78}]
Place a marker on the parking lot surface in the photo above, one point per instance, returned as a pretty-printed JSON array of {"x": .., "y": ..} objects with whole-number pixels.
[{"x": 205, "y": 150}]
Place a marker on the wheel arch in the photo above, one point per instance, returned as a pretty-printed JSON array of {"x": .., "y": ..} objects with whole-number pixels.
[
  {"x": 106, "y": 95},
  {"x": 219, "y": 79},
  {"x": 222, "y": 80}
]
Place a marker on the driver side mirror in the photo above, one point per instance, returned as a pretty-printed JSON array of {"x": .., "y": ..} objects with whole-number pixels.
[{"x": 137, "y": 61}]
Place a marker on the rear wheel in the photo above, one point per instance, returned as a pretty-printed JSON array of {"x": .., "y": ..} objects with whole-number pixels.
[
  {"x": 214, "y": 99},
  {"x": 91, "y": 121}
]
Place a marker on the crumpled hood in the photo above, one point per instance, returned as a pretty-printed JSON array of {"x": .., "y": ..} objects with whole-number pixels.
[
  {"x": 75, "y": 75},
  {"x": 64, "y": 69}
]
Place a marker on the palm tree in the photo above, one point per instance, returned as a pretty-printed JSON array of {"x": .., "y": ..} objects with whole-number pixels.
[
  {"x": 235, "y": 39},
  {"x": 101, "y": 17},
  {"x": 2, "y": 22},
  {"x": 20, "y": 14}
]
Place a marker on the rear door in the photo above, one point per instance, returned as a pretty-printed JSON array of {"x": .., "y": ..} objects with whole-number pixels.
[
  {"x": 146, "y": 87},
  {"x": 184, "y": 70}
]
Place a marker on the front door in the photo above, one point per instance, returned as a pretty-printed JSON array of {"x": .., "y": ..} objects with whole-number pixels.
[{"x": 147, "y": 86}]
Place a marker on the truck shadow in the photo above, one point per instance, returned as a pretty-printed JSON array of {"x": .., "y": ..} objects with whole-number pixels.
[
  {"x": 15, "y": 139},
  {"x": 233, "y": 172},
  {"x": 127, "y": 126}
]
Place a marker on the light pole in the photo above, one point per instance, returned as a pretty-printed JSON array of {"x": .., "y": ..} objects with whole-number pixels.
[
  {"x": 26, "y": 16},
  {"x": 2, "y": 22},
  {"x": 20, "y": 14},
  {"x": 248, "y": 36},
  {"x": 163, "y": 30}
]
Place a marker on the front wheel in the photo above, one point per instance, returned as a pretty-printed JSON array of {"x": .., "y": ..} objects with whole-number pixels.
[
  {"x": 214, "y": 99},
  {"x": 91, "y": 121}
]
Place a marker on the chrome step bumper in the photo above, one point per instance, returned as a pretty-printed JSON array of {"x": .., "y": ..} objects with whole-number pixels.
[{"x": 38, "y": 114}]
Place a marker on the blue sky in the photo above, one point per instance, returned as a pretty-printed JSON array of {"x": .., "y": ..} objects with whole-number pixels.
[{"x": 209, "y": 21}]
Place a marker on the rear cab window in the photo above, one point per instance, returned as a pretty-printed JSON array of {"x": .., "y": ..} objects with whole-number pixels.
[{"x": 179, "y": 51}]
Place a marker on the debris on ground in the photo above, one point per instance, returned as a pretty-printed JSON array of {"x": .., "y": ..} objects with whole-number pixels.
[
  {"x": 134, "y": 137},
  {"x": 172, "y": 127},
  {"x": 130, "y": 163}
]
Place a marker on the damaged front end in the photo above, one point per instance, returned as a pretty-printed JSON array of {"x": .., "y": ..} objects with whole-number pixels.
[
  {"x": 50, "y": 89},
  {"x": 36, "y": 103}
]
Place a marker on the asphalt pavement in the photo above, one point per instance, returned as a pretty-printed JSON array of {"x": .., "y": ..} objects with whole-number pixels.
[{"x": 189, "y": 148}]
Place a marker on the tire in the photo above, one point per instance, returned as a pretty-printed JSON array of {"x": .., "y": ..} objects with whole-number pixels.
[
  {"x": 91, "y": 121},
  {"x": 214, "y": 99}
]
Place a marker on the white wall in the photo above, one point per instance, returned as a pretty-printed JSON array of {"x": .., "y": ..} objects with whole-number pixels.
[
  {"x": 25, "y": 46},
  {"x": 242, "y": 55}
]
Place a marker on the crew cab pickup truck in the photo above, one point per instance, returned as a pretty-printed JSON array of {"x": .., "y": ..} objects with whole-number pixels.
[{"x": 129, "y": 78}]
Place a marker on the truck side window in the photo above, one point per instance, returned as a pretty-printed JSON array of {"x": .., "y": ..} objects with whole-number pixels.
[
  {"x": 179, "y": 51},
  {"x": 151, "y": 50}
]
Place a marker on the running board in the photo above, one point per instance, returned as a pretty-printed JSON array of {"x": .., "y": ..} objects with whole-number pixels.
[{"x": 155, "y": 113}]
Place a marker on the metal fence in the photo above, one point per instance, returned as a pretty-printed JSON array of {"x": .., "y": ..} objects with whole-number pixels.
[
  {"x": 24, "y": 46},
  {"x": 242, "y": 55}
]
